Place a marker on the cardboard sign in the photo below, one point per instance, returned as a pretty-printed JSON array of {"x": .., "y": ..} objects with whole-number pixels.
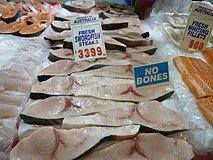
[
  {"x": 87, "y": 38},
  {"x": 198, "y": 28},
  {"x": 152, "y": 75}
]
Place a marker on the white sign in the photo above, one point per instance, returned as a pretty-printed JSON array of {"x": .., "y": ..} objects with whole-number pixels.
[
  {"x": 198, "y": 28},
  {"x": 87, "y": 38}
]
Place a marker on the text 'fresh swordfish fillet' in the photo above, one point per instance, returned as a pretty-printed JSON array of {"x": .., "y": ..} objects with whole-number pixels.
[
  {"x": 52, "y": 110},
  {"x": 146, "y": 146},
  {"x": 109, "y": 71},
  {"x": 66, "y": 67},
  {"x": 125, "y": 92},
  {"x": 150, "y": 114},
  {"x": 48, "y": 143},
  {"x": 69, "y": 84}
]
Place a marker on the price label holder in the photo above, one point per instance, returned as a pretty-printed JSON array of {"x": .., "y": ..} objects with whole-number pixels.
[
  {"x": 198, "y": 28},
  {"x": 151, "y": 76},
  {"x": 87, "y": 38}
]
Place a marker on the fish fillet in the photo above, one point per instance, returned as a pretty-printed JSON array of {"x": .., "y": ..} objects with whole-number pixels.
[
  {"x": 58, "y": 36},
  {"x": 200, "y": 84},
  {"x": 145, "y": 114},
  {"x": 69, "y": 84},
  {"x": 145, "y": 146},
  {"x": 147, "y": 49},
  {"x": 177, "y": 20},
  {"x": 109, "y": 71},
  {"x": 54, "y": 109},
  {"x": 206, "y": 106},
  {"x": 135, "y": 22},
  {"x": 208, "y": 53},
  {"x": 10, "y": 99},
  {"x": 124, "y": 92},
  {"x": 188, "y": 65},
  {"x": 66, "y": 67},
  {"x": 48, "y": 143}
]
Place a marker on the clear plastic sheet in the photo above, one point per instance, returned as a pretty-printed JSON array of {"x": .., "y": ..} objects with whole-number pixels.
[
  {"x": 200, "y": 136},
  {"x": 8, "y": 131},
  {"x": 20, "y": 60}
]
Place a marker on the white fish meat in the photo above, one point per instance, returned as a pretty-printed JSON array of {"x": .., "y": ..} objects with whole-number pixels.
[
  {"x": 143, "y": 147},
  {"x": 145, "y": 113},
  {"x": 60, "y": 26},
  {"x": 48, "y": 143},
  {"x": 133, "y": 42},
  {"x": 61, "y": 54},
  {"x": 135, "y": 22},
  {"x": 134, "y": 58},
  {"x": 69, "y": 84},
  {"x": 9, "y": 111},
  {"x": 53, "y": 109},
  {"x": 10, "y": 99},
  {"x": 111, "y": 43},
  {"x": 57, "y": 37},
  {"x": 109, "y": 71},
  {"x": 125, "y": 92},
  {"x": 66, "y": 67},
  {"x": 80, "y": 6},
  {"x": 138, "y": 49}
]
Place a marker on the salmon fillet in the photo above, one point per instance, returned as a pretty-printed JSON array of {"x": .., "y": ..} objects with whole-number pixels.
[
  {"x": 206, "y": 106},
  {"x": 190, "y": 65},
  {"x": 208, "y": 53},
  {"x": 201, "y": 85}
]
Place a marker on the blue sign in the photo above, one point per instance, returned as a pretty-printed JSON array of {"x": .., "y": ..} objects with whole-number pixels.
[{"x": 150, "y": 75}]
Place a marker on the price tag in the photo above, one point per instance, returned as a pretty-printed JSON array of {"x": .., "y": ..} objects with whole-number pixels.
[
  {"x": 152, "y": 75},
  {"x": 198, "y": 28},
  {"x": 87, "y": 38}
]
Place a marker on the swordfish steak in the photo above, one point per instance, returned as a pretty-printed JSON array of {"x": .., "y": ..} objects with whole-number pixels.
[
  {"x": 145, "y": 114},
  {"x": 125, "y": 92},
  {"x": 66, "y": 67},
  {"x": 52, "y": 110},
  {"x": 145, "y": 146},
  {"x": 69, "y": 84},
  {"x": 48, "y": 143}
]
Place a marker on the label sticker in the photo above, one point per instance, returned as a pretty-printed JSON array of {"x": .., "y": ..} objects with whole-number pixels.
[
  {"x": 198, "y": 28},
  {"x": 87, "y": 38},
  {"x": 152, "y": 75}
]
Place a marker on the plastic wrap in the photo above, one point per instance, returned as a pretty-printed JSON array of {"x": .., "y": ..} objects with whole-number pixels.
[
  {"x": 8, "y": 131},
  {"x": 200, "y": 133}
]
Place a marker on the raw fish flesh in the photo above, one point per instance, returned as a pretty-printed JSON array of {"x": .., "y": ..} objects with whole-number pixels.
[
  {"x": 135, "y": 22},
  {"x": 135, "y": 58},
  {"x": 144, "y": 113},
  {"x": 61, "y": 54},
  {"x": 69, "y": 84},
  {"x": 188, "y": 65},
  {"x": 48, "y": 143},
  {"x": 133, "y": 42},
  {"x": 80, "y": 6},
  {"x": 66, "y": 67},
  {"x": 37, "y": 5},
  {"x": 13, "y": 27},
  {"x": 177, "y": 20},
  {"x": 58, "y": 37},
  {"x": 109, "y": 71},
  {"x": 125, "y": 92},
  {"x": 60, "y": 26},
  {"x": 52, "y": 110},
  {"x": 208, "y": 53},
  {"x": 145, "y": 146},
  {"x": 200, "y": 84},
  {"x": 147, "y": 49},
  {"x": 206, "y": 106},
  {"x": 112, "y": 44}
]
